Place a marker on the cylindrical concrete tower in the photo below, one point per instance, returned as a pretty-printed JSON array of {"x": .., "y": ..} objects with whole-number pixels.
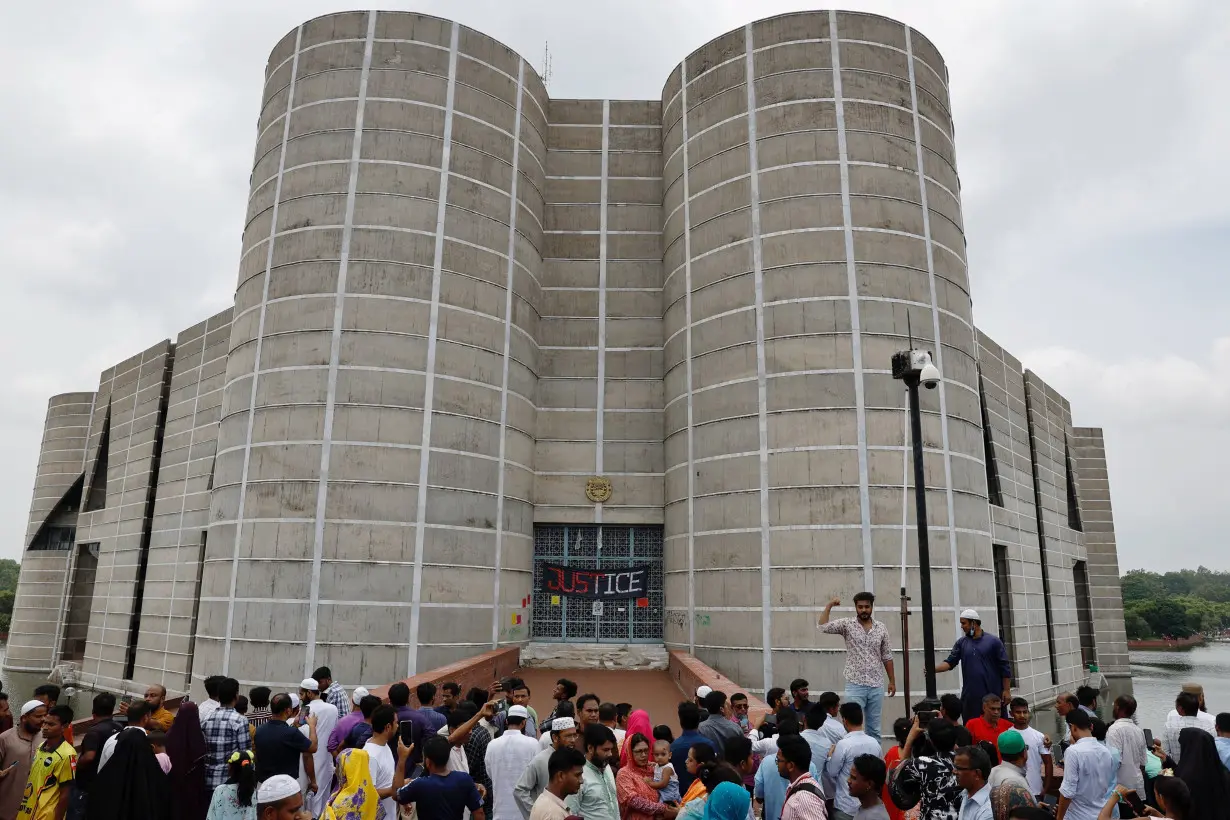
[
  {"x": 39, "y": 604},
  {"x": 812, "y": 219},
  {"x": 371, "y": 496}
]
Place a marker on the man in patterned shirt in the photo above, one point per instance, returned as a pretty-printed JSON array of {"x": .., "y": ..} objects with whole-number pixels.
[
  {"x": 226, "y": 732},
  {"x": 331, "y": 691},
  {"x": 867, "y": 649}
]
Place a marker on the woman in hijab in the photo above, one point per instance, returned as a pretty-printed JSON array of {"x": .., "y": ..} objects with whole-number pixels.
[
  {"x": 727, "y": 801},
  {"x": 134, "y": 784},
  {"x": 700, "y": 758},
  {"x": 1207, "y": 779},
  {"x": 186, "y": 748},
  {"x": 711, "y": 776},
  {"x": 638, "y": 723},
  {"x": 1007, "y": 796},
  {"x": 637, "y": 799},
  {"x": 356, "y": 797}
]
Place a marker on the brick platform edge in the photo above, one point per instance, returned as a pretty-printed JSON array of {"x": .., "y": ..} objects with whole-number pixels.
[
  {"x": 689, "y": 673},
  {"x": 479, "y": 671}
]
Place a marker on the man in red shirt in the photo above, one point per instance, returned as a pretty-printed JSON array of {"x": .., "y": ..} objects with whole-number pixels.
[{"x": 991, "y": 725}]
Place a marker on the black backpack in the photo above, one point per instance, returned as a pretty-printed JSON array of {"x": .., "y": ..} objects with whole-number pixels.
[{"x": 811, "y": 788}]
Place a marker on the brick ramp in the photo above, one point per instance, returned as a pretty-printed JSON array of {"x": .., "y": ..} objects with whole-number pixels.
[
  {"x": 655, "y": 692},
  {"x": 659, "y": 693}
]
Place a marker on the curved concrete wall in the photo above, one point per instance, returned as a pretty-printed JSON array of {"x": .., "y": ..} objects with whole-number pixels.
[
  {"x": 61, "y": 458},
  {"x": 812, "y": 216},
  {"x": 39, "y": 602},
  {"x": 378, "y": 414}
]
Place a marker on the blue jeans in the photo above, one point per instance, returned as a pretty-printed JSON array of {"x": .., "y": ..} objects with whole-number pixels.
[{"x": 871, "y": 698}]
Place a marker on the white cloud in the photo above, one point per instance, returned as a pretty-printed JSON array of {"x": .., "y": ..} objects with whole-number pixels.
[
  {"x": 1146, "y": 387},
  {"x": 1166, "y": 420}
]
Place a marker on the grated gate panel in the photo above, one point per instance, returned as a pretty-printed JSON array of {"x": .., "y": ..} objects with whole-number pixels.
[{"x": 598, "y": 547}]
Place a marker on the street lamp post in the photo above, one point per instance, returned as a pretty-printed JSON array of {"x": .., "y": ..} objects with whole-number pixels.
[{"x": 915, "y": 368}]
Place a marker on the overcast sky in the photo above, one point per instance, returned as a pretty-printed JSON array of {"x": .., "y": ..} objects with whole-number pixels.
[{"x": 1092, "y": 146}]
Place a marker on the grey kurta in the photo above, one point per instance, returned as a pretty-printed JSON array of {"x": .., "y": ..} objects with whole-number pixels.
[{"x": 533, "y": 782}]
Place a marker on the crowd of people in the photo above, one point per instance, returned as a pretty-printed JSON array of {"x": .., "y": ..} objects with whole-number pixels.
[{"x": 486, "y": 754}]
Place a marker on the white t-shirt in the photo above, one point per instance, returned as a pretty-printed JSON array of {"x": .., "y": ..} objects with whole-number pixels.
[
  {"x": 207, "y": 708},
  {"x": 108, "y": 748},
  {"x": 382, "y": 766},
  {"x": 1035, "y": 742}
]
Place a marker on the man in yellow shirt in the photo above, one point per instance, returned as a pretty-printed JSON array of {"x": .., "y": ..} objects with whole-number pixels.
[
  {"x": 51, "y": 774},
  {"x": 159, "y": 716}
]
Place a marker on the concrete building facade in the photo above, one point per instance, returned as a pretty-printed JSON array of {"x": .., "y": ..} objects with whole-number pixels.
[{"x": 477, "y": 329}]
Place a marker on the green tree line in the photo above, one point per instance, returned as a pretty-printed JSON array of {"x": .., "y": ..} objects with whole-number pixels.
[
  {"x": 1175, "y": 604},
  {"x": 9, "y": 570}
]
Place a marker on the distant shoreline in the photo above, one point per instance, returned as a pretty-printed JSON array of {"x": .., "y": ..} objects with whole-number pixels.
[{"x": 1167, "y": 643}]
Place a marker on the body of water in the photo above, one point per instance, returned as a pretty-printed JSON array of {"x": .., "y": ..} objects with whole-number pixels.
[{"x": 1157, "y": 678}]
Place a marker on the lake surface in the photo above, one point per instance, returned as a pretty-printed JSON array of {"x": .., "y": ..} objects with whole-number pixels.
[{"x": 1157, "y": 678}]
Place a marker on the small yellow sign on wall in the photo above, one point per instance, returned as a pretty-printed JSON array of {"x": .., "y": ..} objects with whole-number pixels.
[{"x": 554, "y": 600}]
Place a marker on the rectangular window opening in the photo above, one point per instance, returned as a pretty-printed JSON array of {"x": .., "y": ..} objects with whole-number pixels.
[
  {"x": 1084, "y": 613},
  {"x": 1003, "y": 604},
  {"x": 1043, "y": 562},
  {"x": 994, "y": 492},
  {"x": 1074, "y": 507}
]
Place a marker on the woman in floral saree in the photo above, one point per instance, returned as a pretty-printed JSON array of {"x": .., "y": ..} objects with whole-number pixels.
[{"x": 356, "y": 797}]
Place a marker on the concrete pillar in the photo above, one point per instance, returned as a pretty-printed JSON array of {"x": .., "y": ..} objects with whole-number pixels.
[
  {"x": 812, "y": 221},
  {"x": 377, "y": 433}
]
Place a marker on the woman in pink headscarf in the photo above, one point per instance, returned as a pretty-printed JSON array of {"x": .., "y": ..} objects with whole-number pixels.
[{"x": 638, "y": 722}]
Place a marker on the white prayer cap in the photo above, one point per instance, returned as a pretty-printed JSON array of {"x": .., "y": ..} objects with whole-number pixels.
[
  {"x": 278, "y": 787},
  {"x": 29, "y": 706},
  {"x": 970, "y": 615},
  {"x": 359, "y": 694},
  {"x": 294, "y": 701},
  {"x": 560, "y": 723},
  {"x": 703, "y": 691},
  {"x": 309, "y": 684},
  {"x": 518, "y": 712}
]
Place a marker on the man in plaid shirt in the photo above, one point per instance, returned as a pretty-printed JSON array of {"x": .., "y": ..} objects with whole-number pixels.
[
  {"x": 226, "y": 731},
  {"x": 331, "y": 691}
]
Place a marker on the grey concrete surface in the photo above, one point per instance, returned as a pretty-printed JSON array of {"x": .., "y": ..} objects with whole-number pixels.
[{"x": 459, "y": 299}]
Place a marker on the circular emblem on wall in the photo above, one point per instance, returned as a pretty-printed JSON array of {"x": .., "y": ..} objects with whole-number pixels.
[{"x": 598, "y": 490}]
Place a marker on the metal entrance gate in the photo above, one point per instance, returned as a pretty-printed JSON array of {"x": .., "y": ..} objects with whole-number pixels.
[{"x": 583, "y": 620}]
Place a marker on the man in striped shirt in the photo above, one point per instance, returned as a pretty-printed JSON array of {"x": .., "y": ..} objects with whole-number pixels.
[
  {"x": 804, "y": 799},
  {"x": 259, "y": 714}
]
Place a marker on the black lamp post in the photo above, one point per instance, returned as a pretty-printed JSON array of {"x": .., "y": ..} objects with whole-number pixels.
[{"x": 914, "y": 367}]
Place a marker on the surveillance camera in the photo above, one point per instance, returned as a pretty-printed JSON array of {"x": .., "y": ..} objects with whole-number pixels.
[{"x": 929, "y": 376}]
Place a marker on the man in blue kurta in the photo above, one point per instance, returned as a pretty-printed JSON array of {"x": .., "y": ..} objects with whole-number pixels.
[{"x": 987, "y": 671}]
